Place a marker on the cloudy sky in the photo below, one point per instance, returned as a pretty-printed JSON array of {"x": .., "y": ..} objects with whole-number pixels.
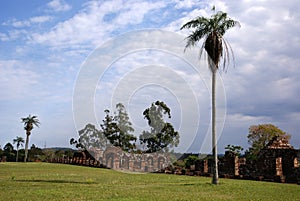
[{"x": 67, "y": 60}]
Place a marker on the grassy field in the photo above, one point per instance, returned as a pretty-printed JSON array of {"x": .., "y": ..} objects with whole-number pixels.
[{"x": 44, "y": 181}]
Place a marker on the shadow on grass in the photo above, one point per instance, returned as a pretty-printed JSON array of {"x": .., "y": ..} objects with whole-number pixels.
[
  {"x": 199, "y": 184},
  {"x": 56, "y": 181}
]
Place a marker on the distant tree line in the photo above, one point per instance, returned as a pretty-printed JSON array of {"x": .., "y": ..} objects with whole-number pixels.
[{"x": 9, "y": 154}]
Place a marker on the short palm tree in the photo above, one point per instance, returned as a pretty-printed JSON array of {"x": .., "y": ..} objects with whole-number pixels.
[
  {"x": 28, "y": 126},
  {"x": 19, "y": 141},
  {"x": 212, "y": 30}
]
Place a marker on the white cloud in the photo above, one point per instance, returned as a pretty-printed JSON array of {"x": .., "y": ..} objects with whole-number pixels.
[
  {"x": 242, "y": 119},
  {"x": 186, "y": 3},
  {"x": 18, "y": 24},
  {"x": 14, "y": 34},
  {"x": 59, "y": 5},
  {"x": 20, "y": 50},
  {"x": 89, "y": 26},
  {"x": 133, "y": 13},
  {"x": 15, "y": 81},
  {"x": 27, "y": 23},
  {"x": 40, "y": 19},
  {"x": 4, "y": 37}
]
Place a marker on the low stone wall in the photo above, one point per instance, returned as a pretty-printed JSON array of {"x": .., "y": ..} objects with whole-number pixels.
[
  {"x": 78, "y": 161},
  {"x": 117, "y": 159}
]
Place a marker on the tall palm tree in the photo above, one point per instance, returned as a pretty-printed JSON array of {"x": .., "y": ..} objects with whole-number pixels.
[
  {"x": 212, "y": 30},
  {"x": 28, "y": 126},
  {"x": 19, "y": 141}
]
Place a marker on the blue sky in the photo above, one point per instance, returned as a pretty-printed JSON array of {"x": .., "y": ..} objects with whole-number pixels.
[{"x": 45, "y": 46}]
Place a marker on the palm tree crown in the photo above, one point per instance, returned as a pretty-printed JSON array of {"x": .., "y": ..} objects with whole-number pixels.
[
  {"x": 211, "y": 30},
  {"x": 19, "y": 141},
  {"x": 29, "y": 122}
]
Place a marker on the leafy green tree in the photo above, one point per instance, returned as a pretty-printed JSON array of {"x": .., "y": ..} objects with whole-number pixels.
[
  {"x": 109, "y": 127},
  {"x": 76, "y": 143},
  {"x": 124, "y": 137},
  {"x": 260, "y": 135},
  {"x": 49, "y": 154},
  {"x": 19, "y": 141},
  {"x": 29, "y": 122},
  {"x": 35, "y": 154},
  {"x": 191, "y": 160},
  {"x": 8, "y": 148},
  {"x": 90, "y": 137},
  {"x": 59, "y": 153},
  {"x": 236, "y": 149},
  {"x": 212, "y": 30},
  {"x": 118, "y": 129},
  {"x": 69, "y": 153},
  {"x": 162, "y": 135},
  {"x": 8, "y": 151}
]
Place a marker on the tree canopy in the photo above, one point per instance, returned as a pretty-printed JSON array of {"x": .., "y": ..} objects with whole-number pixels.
[
  {"x": 162, "y": 135},
  {"x": 29, "y": 122},
  {"x": 212, "y": 30},
  {"x": 260, "y": 135},
  {"x": 91, "y": 137},
  {"x": 118, "y": 128},
  {"x": 236, "y": 149},
  {"x": 19, "y": 141}
]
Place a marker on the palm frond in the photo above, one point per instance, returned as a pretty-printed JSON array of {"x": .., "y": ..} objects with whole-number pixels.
[
  {"x": 231, "y": 52},
  {"x": 196, "y": 36},
  {"x": 226, "y": 58},
  {"x": 30, "y": 119},
  {"x": 201, "y": 50},
  {"x": 217, "y": 24},
  {"x": 197, "y": 22}
]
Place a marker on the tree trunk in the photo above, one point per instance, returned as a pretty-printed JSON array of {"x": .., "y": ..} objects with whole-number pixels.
[
  {"x": 26, "y": 146},
  {"x": 215, "y": 179},
  {"x": 17, "y": 154}
]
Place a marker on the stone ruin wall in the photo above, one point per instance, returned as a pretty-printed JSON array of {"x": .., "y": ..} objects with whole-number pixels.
[{"x": 115, "y": 158}]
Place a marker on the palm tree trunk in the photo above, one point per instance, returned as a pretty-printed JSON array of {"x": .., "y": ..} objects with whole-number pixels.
[
  {"x": 26, "y": 147},
  {"x": 215, "y": 179}
]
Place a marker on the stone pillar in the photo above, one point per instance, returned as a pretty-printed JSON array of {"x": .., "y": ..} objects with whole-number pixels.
[
  {"x": 143, "y": 165},
  {"x": 296, "y": 162},
  {"x": 236, "y": 166},
  {"x": 205, "y": 166},
  {"x": 279, "y": 166},
  {"x": 116, "y": 163},
  {"x": 155, "y": 163},
  {"x": 131, "y": 165}
]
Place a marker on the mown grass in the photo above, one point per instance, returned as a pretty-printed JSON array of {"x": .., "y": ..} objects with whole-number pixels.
[{"x": 44, "y": 181}]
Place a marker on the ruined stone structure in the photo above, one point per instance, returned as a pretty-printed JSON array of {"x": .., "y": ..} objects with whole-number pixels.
[
  {"x": 116, "y": 158},
  {"x": 278, "y": 161},
  {"x": 230, "y": 165}
]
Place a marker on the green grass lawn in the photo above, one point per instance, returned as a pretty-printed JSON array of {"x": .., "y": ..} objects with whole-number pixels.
[{"x": 44, "y": 181}]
